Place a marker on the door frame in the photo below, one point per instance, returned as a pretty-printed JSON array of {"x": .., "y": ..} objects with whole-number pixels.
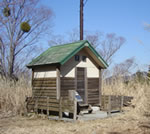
[{"x": 85, "y": 83}]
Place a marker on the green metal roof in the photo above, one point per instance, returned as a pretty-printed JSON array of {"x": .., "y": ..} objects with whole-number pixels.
[{"x": 62, "y": 53}]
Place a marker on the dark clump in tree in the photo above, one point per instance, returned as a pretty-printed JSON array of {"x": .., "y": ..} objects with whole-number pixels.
[
  {"x": 6, "y": 11},
  {"x": 25, "y": 27}
]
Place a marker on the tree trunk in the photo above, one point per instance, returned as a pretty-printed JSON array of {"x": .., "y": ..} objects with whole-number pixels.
[{"x": 11, "y": 62}]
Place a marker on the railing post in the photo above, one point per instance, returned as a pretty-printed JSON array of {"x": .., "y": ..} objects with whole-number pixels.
[
  {"x": 72, "y": 98},
  {"x": 109, "y": 105},
  {"x": 121, "y": 105},
  {"x": 47, "y": 106},
  {"x": 71, "y": 95},
  {"x": 36, "y": 106},
  {"x": 75, "y": 110},
  {"x": 60, "y": 107}
]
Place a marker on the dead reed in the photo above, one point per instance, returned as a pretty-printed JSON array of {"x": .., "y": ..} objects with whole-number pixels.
[
  {"x": 13, "y": 95},
  {"x": 138, "y": 88}
]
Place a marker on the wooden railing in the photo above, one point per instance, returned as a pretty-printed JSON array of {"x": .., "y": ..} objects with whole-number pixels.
[
  {"x": 111, "y": 103},
  {"x": 52, "y": 104}
]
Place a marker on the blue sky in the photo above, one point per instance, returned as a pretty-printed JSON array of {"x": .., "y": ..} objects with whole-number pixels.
[{"x": 124, "y": 17}]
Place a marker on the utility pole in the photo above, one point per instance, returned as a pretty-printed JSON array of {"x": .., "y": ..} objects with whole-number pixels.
[{"x": 81, "y": 19}]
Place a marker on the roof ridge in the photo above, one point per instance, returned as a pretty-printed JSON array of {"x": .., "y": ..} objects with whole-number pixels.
[{"x": 70, "y": 43}]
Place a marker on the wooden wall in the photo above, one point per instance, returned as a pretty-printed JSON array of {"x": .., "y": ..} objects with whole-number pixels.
[
  {"x": 44, "y": 87},
  {"x": 93, "y": 91},
  {"x": 67, "y": 83},
  {"x": 45, "y": 97},
  {"x": 44, "y": 103},
  {"x": 47, "y": 87}
]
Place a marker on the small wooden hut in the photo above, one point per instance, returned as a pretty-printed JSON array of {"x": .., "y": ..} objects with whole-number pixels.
[{"x": 63, "y": 68}]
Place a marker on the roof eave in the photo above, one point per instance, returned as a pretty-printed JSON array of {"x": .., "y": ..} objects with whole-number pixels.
[{"x": 52, "y": 64}]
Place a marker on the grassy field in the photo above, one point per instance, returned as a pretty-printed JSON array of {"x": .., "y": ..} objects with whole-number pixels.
[{"x": 135, "y": 120}]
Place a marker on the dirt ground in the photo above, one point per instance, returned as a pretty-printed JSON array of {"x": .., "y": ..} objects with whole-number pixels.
[{"x": 120, "y": 124}]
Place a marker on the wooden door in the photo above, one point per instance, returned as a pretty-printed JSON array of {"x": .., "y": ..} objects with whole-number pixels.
[{"x": 81, "y": 87}]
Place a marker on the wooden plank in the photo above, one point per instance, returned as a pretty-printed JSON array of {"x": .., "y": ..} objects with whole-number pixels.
[
  {"x": 67, "y": 78},
  {"x": 47, "y": 106},
  {"x": 93, "y": 90},
  {"x": 44, "y": 85},
  {"x": 93, "y": 86},
  {"x": 44, "y": 82},
  {"x": 50, "y": 108},
  {"x": 45, "y": 103},
  {"x": 67, "y": 83},
  {"x": 122, "y": 99},
  {"x": 45, "y": 79},
  {"x": 41, "y": 95},
  {"x": 36, "y": 106},
  {"x": 44, "y": 91},
  {"x": 66, "y": 87},
  {"x": 44, "y": 88},
  {"x": 58, "y": 83},
  {"x": 60, "y": 108},
  {"x": 93, "y": 93},
  {"x": 75, "y": 82},
  {"x": 43, "y": 99},
  {"x": 93, "y": 96},
  {"x": 100, "y": 86},
  {"x": 32, "y": 76},
  {"x": 32, "y": 79},
  {"x": 109, "y": 106}
]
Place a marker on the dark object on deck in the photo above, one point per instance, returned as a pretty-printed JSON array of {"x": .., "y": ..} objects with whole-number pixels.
[{"x": 84, "y": 107}]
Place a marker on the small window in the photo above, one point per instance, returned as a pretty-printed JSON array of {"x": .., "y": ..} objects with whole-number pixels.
[
  {"x": 84, "y": 58},
  {"x": 77, "y": 57}
]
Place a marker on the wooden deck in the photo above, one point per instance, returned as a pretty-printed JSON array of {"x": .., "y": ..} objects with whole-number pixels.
[{"x": 111, "y": 103}]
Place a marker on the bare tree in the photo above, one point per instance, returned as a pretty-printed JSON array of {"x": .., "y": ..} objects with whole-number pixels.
[
  {"x": 124, "y": 68},
  {"x": 14, "y": 41},
  {"x": 107, "y": 45}
]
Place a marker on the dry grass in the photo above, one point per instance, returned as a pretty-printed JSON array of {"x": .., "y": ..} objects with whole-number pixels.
[
  {"x": 115, "y": 125},
  {"x": 139, "y": 90},
  {"x": 134, "y": 121},
  {"x": 13, "y": 94}
]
